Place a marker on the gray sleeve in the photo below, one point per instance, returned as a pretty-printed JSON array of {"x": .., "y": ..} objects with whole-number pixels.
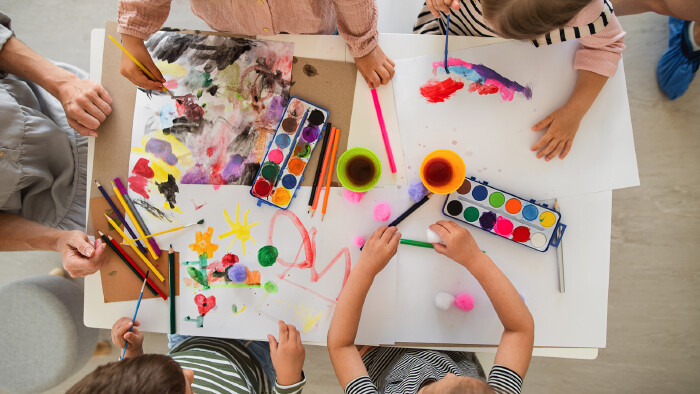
[{"x": 5, "y": 34}]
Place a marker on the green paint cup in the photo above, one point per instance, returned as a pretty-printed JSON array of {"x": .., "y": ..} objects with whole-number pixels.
[{"x": 359, "y": 169}]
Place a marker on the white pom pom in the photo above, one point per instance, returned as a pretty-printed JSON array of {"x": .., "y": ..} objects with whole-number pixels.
[
  {"x": 433, "y": 238},
  {"x": 444, "y": 300}
]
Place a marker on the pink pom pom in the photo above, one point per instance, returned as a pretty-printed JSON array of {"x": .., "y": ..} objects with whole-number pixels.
[
  {"x": 353, "y": 197},
  {"x": 382, "y": 212},
  {"x": 464, "y": 302},
  {"x": 358, "y": 241}
]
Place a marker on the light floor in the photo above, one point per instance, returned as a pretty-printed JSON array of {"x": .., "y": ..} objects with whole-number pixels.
[{"x": 654, "y": 307}]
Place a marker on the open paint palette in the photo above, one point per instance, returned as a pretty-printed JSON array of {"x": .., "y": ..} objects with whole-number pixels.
[
  {"x": 289, "y": 152},
  {"x": 504, "y": 214}
]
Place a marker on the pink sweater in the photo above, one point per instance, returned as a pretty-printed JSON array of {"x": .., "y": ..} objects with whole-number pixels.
[
  {"x": 600, "y": 52},
  {"x": 356, "y": 20}
]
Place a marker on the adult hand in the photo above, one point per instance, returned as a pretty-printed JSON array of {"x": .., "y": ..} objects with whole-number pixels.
[
  {"x": 437, "y": 6},
  {"x": 121, "y": 334},
  {"x": 375, "y": 67},
  {"x": 80, "y": 257},
  {"x": 86, "y": 104},
  {"x": 459, "y": 245},
  {"x": 287, "y": 354},
  {"x": 130, "y": 70},
  {"x": 380, "y": 248},
  {"x": 561, "y": 126}
]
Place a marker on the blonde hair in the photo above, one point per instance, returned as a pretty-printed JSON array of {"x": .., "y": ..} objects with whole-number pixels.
[{"x": 529, "y": 19}]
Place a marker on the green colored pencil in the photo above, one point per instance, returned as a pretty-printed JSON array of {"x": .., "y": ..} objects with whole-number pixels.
[
  {"x": 416, "y": 243},
  {"x": 171, "y": 288}
]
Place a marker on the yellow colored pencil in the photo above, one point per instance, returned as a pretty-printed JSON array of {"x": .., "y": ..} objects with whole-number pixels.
[
  {"x": 330, "y": 173},
  {"x": 138, "y": 63},
  {"x": 164, "y": 232},
  {"x": 138, "y": 252},
  {"x": 135, "y": 222}
]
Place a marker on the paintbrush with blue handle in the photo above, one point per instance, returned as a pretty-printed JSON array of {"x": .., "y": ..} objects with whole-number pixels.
[
  {"x": 138, "y": 303},
  {"x": 447, "y": 33}
]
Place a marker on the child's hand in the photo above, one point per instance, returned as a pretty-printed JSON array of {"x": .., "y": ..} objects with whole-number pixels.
[
  {"x": 120, "y": 335},
  {"x": 375, "y": 67},
  {"x": 459, "y": 245},
  {"x": 380, "y": 248},
  {"x": 130, "y": 70},
  {"x": 435, "y": 6},
  {"x": 563, "y": 125},
  {"x": 287, "y": 355}
]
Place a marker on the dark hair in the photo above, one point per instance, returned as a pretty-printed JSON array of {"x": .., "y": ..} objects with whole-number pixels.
[
  {"x": 529, "y": 19},
  {"x": 148, "y": 373}
]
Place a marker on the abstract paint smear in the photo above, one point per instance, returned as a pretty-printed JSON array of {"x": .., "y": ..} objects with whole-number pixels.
[{"x": 481, "y": 79}]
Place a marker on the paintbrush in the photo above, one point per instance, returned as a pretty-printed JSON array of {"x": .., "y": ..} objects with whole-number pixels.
[
  {"x": 126, "y": 242},
  {"x": 138, "y": 303},
  {"x": 144, "y": 69},
  {"x": 447, "y": 33},
  {"x": 560, "y": 254},
  {"x": 319, "y": 166}
]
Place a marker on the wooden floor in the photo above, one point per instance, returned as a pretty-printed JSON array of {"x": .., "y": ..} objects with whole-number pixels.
[{"x": 654, "y": 303}]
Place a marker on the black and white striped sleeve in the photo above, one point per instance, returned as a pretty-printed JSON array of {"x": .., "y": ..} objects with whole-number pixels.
[
  {"x": 361, "y": 385},
  {"x": 504, "y": 380}
]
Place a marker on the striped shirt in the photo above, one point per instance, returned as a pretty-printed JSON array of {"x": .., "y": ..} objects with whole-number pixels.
[
  {"x": 402, "y": 370},
  {"x": 595, "y": 26},
  {"x": 225, "y": 366}
]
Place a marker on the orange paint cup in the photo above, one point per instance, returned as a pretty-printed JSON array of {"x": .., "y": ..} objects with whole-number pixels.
[{"x": 442, "y": 171}]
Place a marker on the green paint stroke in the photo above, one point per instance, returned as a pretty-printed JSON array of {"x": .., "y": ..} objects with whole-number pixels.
[
  {"x": 267, "y": 255},
  {"x": 271, "y": 287},
  {"x": 197, "y": 80},
  {"x": 234, "y": 308},
  {"x": 199, "y": 320},
  {"x": 195, "y": 274},
  {"x": 112, "y": 273}
]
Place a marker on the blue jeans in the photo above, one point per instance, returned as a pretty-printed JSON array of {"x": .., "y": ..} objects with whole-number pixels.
[{"x": 259, "y": 349}]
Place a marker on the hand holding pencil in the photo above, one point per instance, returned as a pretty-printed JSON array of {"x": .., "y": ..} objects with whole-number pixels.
[{"x": 138, "y": 66}]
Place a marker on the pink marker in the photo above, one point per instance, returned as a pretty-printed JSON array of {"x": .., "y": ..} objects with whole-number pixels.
[{"x": 385, "y": 136}]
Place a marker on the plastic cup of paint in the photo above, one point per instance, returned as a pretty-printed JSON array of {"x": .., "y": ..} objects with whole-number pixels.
[
  {"x": 442, "y": 171},
  {"x": 359, "y": 169}
]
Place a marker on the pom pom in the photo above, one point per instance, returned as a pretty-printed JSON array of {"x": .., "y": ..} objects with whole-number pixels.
[
  {"x": 432, "y": 237},
  {"x": 417, "y": 191},
  {"x": 382, "y": 212},
  {"x": 358, "y": 241},
  {"x": 238, "y": 273},
  {"x": 443, "y": 300},
  {"x": 353, "y": 197},
  {"x": 464, "y": 302}
]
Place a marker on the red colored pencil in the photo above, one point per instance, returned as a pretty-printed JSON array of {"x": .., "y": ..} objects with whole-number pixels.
[
  {"x": 323, "y": 170},
  {"x": 136, "y": 267}
]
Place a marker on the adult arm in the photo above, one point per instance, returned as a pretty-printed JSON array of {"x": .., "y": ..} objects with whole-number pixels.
[
  {"x": 515, "y": 348},
  {"x": 345, "y": 357},
  {"x": 80, "y": 257}
]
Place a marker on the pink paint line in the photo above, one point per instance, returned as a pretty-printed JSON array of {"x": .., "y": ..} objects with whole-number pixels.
[{"x": 385, "y": 136}]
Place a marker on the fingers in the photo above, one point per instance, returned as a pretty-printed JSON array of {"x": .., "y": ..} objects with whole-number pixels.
[
  {"x": 79, "y": 241},
  {"x": 440, "y": 248},
  {"x": 80, "y": 112},
  {"x": 432, "y": 8},
  {"x": 544, "y": 123},
  {"x": 548, "y": 149},
  {"x": 140, "y": 79},
  {"x": 567, "y": 148},
  {"x": 394, "y": 242},
  {"x": 378, "y": 233},
  {"x": 273, "y": 343},
  {"x": 556, "y": 151},
  {"x": 284, "y": 332},
  {"x": 440, "y": 230},
  {"x": 99, "y": 258},
  {"x": 543, "y": 141},
  {"x": 104, "y": 95},
  {"x": 388, "y": 233},
  {"x": 373, "y": 79},
  {"x": 293, "y": 334},
  {"x": 82, "y": 130}
]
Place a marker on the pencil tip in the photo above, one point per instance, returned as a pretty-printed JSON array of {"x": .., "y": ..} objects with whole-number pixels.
[
  {"x": 100, "y": 232},
  {"x": 97, "y": 183}
]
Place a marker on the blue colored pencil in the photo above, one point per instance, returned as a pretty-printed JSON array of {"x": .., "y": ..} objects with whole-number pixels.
[
  {"x": 120, "y": 216},
  {"x": 447, "y": 33},
  {"x": 138, "y": 303}
]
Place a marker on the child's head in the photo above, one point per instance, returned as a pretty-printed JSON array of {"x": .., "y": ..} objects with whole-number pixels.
[
  {"x": 529, "y": 19},
  {"x": 149, "y": 373},
  {"x": 453, "y": 384}
]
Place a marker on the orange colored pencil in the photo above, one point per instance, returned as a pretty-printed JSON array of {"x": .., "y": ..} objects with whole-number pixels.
[
  {"x": 323, "y": 170},
  {"x": 330, "y": 173}
]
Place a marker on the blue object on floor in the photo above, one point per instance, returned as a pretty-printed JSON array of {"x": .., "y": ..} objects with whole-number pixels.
[{"x": 678, "y": 65}]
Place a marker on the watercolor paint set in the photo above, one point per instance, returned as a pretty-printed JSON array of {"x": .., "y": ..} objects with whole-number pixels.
[
  {"x": 503, "y": 214},
  {"x": 289, "y": 152}
]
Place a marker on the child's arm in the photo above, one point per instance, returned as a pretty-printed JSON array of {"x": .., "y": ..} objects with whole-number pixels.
[
  {"x": 287, "y": 356},
  {"x": 377, "y": 252},
  {"x": 121, "y": 334},
  {"x": 515, "y": 349}
]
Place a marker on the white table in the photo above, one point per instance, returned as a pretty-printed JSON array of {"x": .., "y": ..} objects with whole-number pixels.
[{"x": 102, "y": 315}]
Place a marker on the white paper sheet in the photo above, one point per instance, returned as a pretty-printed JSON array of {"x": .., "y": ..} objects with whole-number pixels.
[{"x": 494, "y": 137}]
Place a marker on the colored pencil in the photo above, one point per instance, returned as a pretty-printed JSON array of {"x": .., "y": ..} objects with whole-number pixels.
[
  {"x": 385, "y": 135},
  {"x": 133, "y": 220},
  {"x": 331, "y": 165},
  {"x": 171, "y": 287},
  {"x": 138, "y": 304},
  {"x": 119, "y": 215},
  {"x": 560, "y": 255},
  {"x": 447, "y": 33},
  {"x": 410, "y": 210},
  {"x": 166, "y": 231},
  {"x": 138, "y": 252},
  {"x": 318, "y": 166},
  {"x": 421, "y": 244},
  {"x": 138, "y": 63},
  {"x": 136, "y": 267},
  {"x": 323, "y": 172},
  {"x": 120, "y": 186},
  {"x": 133, "y": 267}
]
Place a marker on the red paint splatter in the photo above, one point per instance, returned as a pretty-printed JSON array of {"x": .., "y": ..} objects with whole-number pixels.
[
  {"x": 438, "y": 91},
  {"x": 172, "y": 84},
  {"x": 142, "y": 168},
  {"x": 180, "y": 107},
  {"x": 196, "y": 207},
  {"x": 521, "y": 234},
  {"x": 483, "y": 89},
  {"x": 210, "y": 151},
  {"x": 138, "y": 184}
]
